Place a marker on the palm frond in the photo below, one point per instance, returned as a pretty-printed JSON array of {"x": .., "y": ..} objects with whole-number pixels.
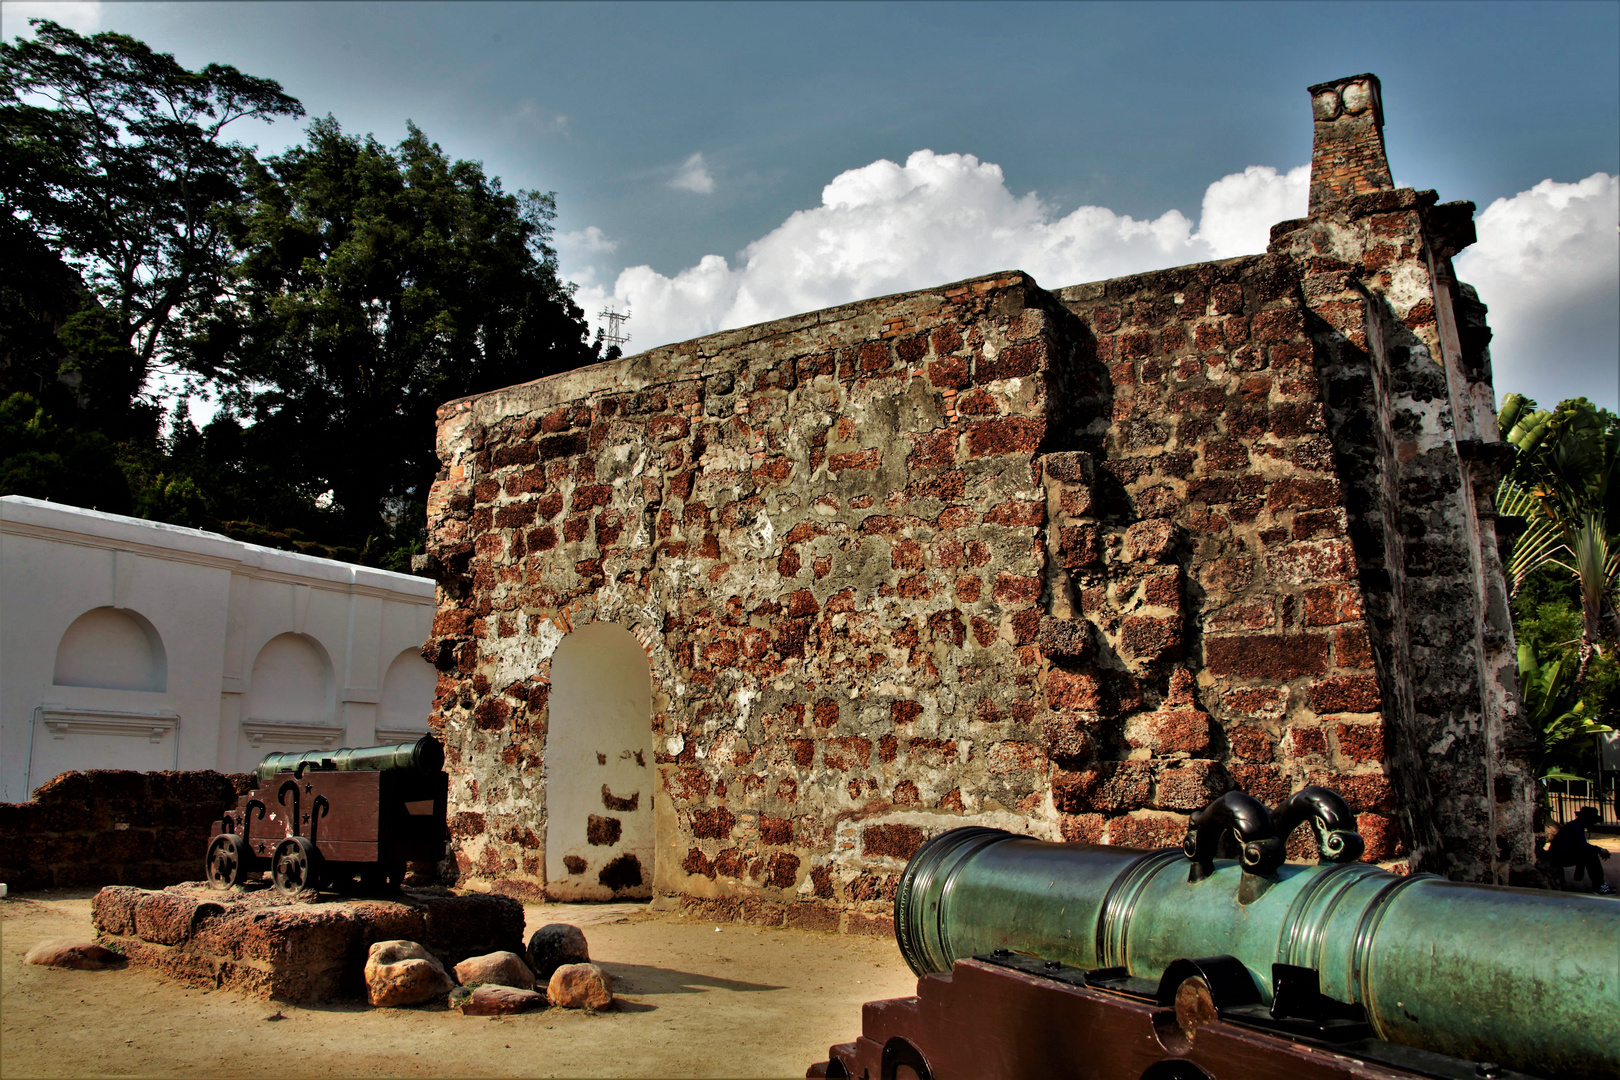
[{"x": 1543, "y": 537}]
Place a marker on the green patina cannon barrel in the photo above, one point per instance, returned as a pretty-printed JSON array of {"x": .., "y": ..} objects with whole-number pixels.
[
  {"x": 425, "y": 754},
  {"x": 1519, "y": 977}
]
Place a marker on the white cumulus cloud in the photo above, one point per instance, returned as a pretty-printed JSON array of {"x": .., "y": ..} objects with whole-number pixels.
[
  {"x": 887, "y": 227},
  {"x": 1548, "y": 266},
  {"x": 1547, "y": 261},
  {"x": 578, "y": 250},
  {"x": 81, "y": 15},
  {"x": 589, "y": 239},
  {"x": 693, "y": 176},
  {"x": 1240, "y": 209}
]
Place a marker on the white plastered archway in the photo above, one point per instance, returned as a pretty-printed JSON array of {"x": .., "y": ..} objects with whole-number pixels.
[
  {"x": 112, "y": 649},
  {"x": 600, "y": 775},
  {"x": 292, "y": 682},
  {"x": 407, "y": 698},
  {"x": 291, "y": 703}
]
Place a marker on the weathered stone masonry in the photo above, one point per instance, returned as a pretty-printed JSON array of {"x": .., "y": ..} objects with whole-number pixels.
[{"x": 1070, "y": 562}]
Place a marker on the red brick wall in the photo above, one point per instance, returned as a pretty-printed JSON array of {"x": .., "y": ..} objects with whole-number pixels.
[
  {"x": 114, "y": 827},
  {"x": 1347, "y": 150}
]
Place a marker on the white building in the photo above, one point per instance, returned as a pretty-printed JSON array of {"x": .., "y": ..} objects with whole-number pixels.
[{"x": 131, "y": 644}]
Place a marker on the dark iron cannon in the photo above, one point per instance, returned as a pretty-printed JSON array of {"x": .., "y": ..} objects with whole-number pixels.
[
  {"x": 423, "y": 755},
  {"x": 1088, "y": 961},
  {"x": 322, "y": 818}
]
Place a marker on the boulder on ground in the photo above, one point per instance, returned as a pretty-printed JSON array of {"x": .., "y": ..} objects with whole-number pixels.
[
  {"x": 491, "y": 1000},
  {"x": 554, "y": 945},
  {"x": 402, "y": 973},
  {"x": 580, "y": 986},
  {"x": 83, "y": 955},
  {"x": 500, "y": 968}
]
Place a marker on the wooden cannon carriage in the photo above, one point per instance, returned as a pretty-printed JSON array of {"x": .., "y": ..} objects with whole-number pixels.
[{"x": 324, "y": 818}]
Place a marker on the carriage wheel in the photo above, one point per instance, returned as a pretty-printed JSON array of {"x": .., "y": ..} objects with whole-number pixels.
[
  {"x": 227, "y": 855},
  {"x": 296, "y": 865}
]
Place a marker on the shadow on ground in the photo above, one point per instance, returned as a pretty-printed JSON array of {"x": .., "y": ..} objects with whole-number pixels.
[{"x": 647, "y": 979}]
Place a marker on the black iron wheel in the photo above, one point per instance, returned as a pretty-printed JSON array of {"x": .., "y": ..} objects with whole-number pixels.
[
  {"x": 227, "y": 855},
  {"x": 296, "y": 865}
]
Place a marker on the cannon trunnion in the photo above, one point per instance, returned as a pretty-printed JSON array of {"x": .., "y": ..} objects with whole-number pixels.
[
  {"x": 1106, "y": 963},
  {"x": 321, "y": 819}
]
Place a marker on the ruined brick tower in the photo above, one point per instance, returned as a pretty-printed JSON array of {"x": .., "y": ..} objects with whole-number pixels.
[{"x": 739, "y": 622}]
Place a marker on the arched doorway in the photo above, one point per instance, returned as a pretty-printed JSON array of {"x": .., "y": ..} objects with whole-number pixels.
[{"x": 599, "y": 767}]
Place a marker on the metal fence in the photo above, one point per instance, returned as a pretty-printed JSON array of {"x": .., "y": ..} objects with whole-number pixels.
[{"x": 1569, "y": 796}]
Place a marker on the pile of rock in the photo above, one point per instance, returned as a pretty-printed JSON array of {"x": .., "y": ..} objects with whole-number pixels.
[
  {"x": 267, "y": 945},
  {"x": 402, "y": 973}
]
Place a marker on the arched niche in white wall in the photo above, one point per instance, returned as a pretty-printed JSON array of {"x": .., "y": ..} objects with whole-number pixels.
[
  {"x": 407, "y": 698},
  {"x": 599, "y": 767},
  {"x": 292, "y": 697},
  {"x": 112, "y": 649}
]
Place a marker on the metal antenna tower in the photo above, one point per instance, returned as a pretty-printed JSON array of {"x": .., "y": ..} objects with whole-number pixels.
[{"x": 613, "y": 333}]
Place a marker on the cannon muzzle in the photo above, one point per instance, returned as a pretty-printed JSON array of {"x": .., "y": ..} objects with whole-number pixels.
[
  {"x": 425, "y": 754},
  {"x": 1524, "y": 978}
]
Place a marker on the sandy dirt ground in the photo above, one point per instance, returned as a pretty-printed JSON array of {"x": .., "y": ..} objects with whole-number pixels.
[{"x": 694, "y": 1000}]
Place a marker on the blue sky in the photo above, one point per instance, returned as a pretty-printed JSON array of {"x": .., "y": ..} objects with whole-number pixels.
[{"x": 719, "y": 163}]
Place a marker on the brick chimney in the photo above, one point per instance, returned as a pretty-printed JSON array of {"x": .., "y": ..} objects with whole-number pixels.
[{"x": 1347, "y": 158}]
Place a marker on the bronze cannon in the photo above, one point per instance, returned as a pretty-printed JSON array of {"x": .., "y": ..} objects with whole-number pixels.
[{"x": 1107, "y": 963}]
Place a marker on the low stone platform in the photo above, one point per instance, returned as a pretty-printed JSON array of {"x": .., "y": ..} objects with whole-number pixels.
[{"x": 259, "y": 942}]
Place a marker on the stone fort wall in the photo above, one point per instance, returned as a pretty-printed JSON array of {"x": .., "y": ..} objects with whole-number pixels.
[
  {"x": 1072, "y": 562},
  {"x": 114, "y": 827}
]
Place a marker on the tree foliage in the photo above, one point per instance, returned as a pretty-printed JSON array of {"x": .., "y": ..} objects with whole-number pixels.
[
  {"x": 334, "y": 296},
  {"x": 116, "y": 158},
  {"x": 1564, "y": 567},
  {"x": 1563, "y": 720},
  {"x": 374, "y": 284},
  {"x": 1565, "y": 485},
  {"x": 44, "y": 460}
]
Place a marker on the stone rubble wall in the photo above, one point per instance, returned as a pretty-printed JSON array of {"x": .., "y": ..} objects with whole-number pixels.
[
  {"x": 1210, "y": 563},
  {"x": 114, "y": 827},
  {"x": 1072, "y": 563},
  {"x": 828, "y": 533},
  {"x": 1411, "y": 413}
]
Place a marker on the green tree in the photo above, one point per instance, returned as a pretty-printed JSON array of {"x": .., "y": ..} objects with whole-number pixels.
[
  {"x": 1562, "y": 720},
  {"x": 43, "y": 460},
  {"x": 1565, "y": 485},
  {"x": 374, "y": 285},
  {"x": 1547, "y": 618},
  {"x": 37, "y": 294},
  {"x": 115, "y": 158}
]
